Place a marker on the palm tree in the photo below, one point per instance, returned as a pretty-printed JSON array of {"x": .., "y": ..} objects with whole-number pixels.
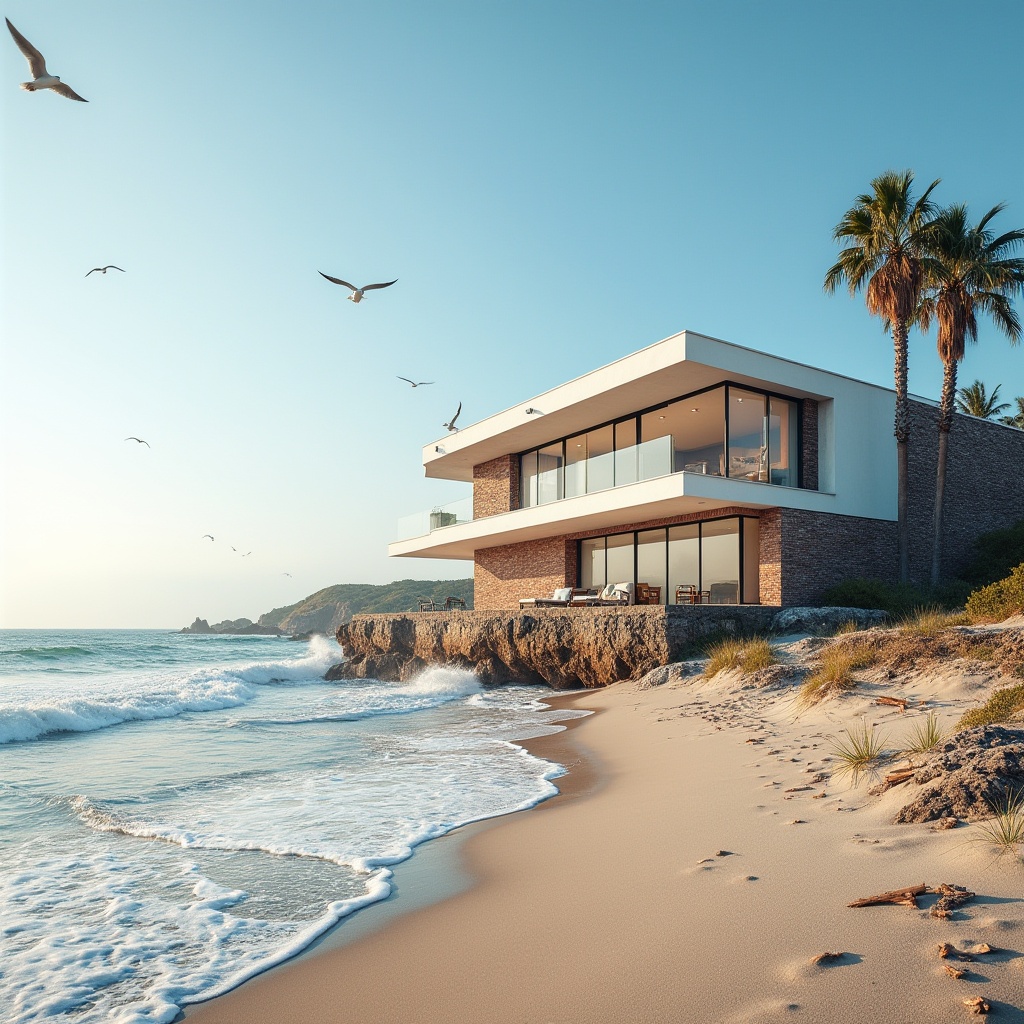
[
  {"x": 886, "y": 229},
  {"x": 968, "y": 270},
  {"x": 1017, "y": 419},
  {"x": 974, "y": 400}
]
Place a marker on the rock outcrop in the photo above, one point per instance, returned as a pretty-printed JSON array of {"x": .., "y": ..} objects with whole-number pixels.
[
  {"x": 825, "y": 621},
  {"x": 232, "y": 627},
  {"x": 971, "y": 773},
  {"x": 566, "y": 649}
]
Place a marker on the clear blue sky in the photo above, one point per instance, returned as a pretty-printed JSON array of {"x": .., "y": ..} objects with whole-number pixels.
[{"x": 555, "y": 184}]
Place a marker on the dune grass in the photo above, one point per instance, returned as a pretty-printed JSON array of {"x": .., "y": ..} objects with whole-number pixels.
[
  {"x": 858, "y": 752},
  {"x": 748, "y": 655},
  {"x": 925, "y": 735},
  {"x": 1000, "y": 707},
  {"x": 844, "y": 628},
  {"x": 834, "y": 672},
  {"x": 1005, "y": 829},
  {"x": 930, "y": 621}
]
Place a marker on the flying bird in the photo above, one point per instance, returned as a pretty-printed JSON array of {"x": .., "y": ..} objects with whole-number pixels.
[
  {"x": 139, "y": 439},
  {"x": 103, "y": 270},
  {"x": 286, "y": 574},
  {"x": 247, "y": 554},
  {"x": 37, "y": 66},
  {"x": 415, "y": 383},
  {"x": 451, "y": 424},
  {"x": 357, "y": 293},
  {"x": 205, "y": 535}
]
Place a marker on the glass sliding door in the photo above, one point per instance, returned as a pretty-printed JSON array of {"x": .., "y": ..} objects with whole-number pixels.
[
  {"x": 720, "y": 560},
  {"x": 683, "y": 562},
  {"x": 620, "y": 553},
  {"x": 651, "y": 555},
  {"x": 748, "y": 445},
  {"x": 592, "y": 573}
]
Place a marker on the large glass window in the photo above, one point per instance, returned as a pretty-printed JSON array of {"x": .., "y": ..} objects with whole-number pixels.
[
  {"x": 650, "y": 559},
  {"x": 726, "y": 431},
  {"x": 720, "y": 560},
  {"x": 683, "y": 562},
  {"x": 592, "y": 574},
  {"x": 549, "y": 473},
  {"x": 601, "y": 467},
  {"x": 748, "y": 446},
  {"x": 783, "y": 442},
  {"x": 576, "y": 465},
  {"x": 700, "y": 441}
]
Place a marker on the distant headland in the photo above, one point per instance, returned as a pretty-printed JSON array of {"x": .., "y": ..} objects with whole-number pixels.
[{"x": 327, "y": 609}]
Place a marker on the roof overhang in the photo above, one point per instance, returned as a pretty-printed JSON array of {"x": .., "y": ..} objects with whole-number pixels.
[
  {"x": 676, "y": 495},
  {"x": 679, "y": 365}
]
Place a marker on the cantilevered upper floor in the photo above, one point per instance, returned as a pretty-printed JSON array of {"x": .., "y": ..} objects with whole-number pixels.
[{"x": 687, "y": 425}]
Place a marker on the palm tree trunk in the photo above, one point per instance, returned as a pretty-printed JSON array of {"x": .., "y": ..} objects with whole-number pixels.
[
  {"x": 902, "y": 432},
  {"x": 945, "y": 424}
]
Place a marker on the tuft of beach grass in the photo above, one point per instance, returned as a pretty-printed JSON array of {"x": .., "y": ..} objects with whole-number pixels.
[
  {"x": 746, "y": 655},
  {"x": 931, "y": 621},
  {"x": 1005, "y": 829},
  {"x": 834, "y": 671},
  {"x": 858, "y": 752},
  {"x": 925, "y": 735}
]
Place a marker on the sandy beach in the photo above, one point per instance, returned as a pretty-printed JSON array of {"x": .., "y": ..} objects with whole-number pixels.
[{"x": 699, "y": 858}]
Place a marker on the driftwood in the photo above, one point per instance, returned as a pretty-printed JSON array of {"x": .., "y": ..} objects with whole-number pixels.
[
  {"x": 954, "y": 972},
  {"x": 825, "y": 958},
  {"x": 947, "y": 951},
  {"x": 977, "y": 1005},
  {"x": 896, "y": 702},
  {"x": 902, "y": 897},
  {"x": 900, "y": 775},
  {"x": 950, "y": 897}
]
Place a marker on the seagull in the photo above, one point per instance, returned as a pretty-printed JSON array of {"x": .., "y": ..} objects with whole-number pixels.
[
  {"x": 103, "y": 270},
  {"x": 139, "y": 439},
  {"x": 451, "y": 425},
  {"x": 415, "y": 383},
  {"x": 357, "y": 293},
  {"x": 286, "y": 574},
  {"x": 205, "y": 535},
  {"x": 246, "y": 555},
  {"x": 37, "y": 66}
]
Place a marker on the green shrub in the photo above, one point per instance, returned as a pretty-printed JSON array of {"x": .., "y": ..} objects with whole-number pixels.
[
  {"x": 998, "y": 600},
  {"x": 998, "y": 708},
  {"x": 898, "y": 599},
  {"x": 995, "y": 554}
]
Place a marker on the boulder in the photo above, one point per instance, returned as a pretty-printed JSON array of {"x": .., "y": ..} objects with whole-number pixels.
[
  {"x": 825, "y": 621},
  {"x": 199, "y": 626}
]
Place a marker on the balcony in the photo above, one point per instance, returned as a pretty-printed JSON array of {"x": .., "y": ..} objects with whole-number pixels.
[{"x": 420, "y": 524}]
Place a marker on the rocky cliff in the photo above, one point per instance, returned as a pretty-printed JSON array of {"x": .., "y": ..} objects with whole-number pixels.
[{"x": 565, "y": 649}]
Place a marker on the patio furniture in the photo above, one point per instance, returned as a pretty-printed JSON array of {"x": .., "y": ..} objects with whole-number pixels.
[
  {"x": 687, "y": 593},
  {"x": 724, "y": 593},
  {"x": 646, "y": 594},
  {"x": 616, "y": 594},
  {"x": 558, "y": 599},
  {"x": 581, "y": 597},
  {"x": 427, "y": 605},
  {"x": 451, "y": 603}
]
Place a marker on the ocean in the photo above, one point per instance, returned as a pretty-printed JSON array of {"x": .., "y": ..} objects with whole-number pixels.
[{"x": 178, "y": 813}]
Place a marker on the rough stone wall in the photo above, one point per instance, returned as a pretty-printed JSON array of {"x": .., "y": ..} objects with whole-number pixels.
[
  {"x": 496, "y": 486},
  {"x": 809, "y": 445},
  {"x": 984, "y": 486},
  {"x": 564, "y": 648},
  {"x": 502, "y": 575}
]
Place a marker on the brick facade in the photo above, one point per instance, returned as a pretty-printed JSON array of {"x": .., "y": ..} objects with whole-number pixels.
[
  {"x": 496, "y": 486},
  {"x": 809, "y": 444},
  {"x": 502, "y": 575}
]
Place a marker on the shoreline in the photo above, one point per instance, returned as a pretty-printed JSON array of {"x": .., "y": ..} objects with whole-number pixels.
[
  {"x": 695, "y": 874},
  {"x": 443, "y": 868}
]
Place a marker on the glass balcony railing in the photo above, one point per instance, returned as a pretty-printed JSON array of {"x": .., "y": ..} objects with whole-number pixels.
[{"x": 437, "y": 518}]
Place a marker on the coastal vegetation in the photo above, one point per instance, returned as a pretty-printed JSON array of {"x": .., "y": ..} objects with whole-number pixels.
[
  {"x": 974, "y": 400},
  {"x": 833, "y": 673},
  {"x": 1001, "y": 706},
  {"x": 968, "y": 270},
  {"x": 748, "y": 655},
  {"x": 925, "y": 735},
  {"x": 1005, "y": 829},
  {"x": 886, "y": 229},
  {"x": 859, "y": 752},
  {"x": 998, "y": 600}
]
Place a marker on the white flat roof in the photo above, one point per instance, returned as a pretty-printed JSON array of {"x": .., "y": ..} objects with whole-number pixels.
[{"x": 676, "y": 366}]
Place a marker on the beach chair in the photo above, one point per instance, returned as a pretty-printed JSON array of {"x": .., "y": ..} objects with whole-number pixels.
[
  {"x": 451, "y": 603},
  {"x": 558, "y": 599},
  {"x": 427, "y": 605}
]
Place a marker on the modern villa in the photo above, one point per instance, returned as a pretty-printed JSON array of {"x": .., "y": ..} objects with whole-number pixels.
[{"x": 700, "y": 471}]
